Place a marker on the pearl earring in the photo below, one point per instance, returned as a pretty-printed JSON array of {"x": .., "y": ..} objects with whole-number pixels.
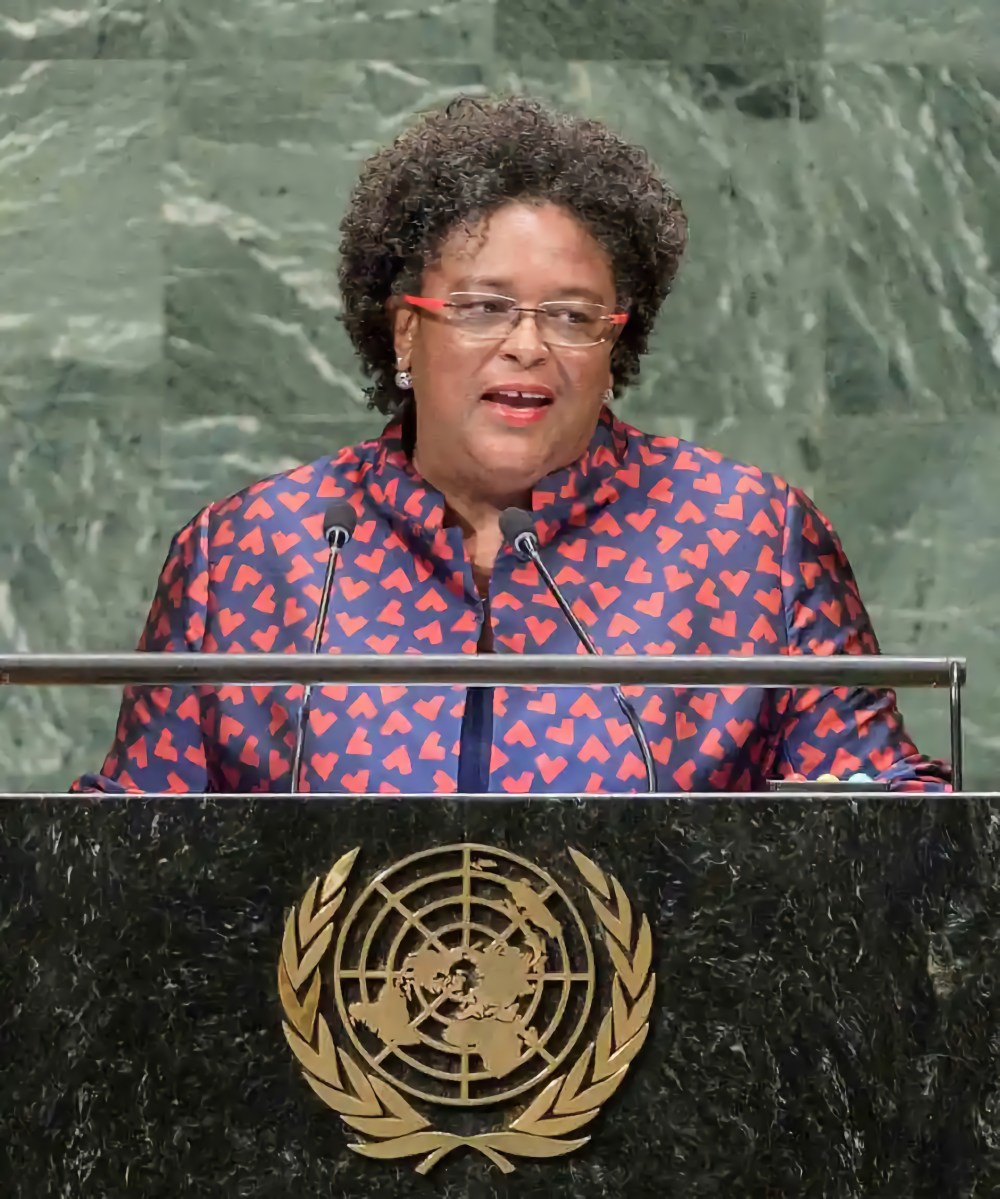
[
  {"x": 404, "y": 380},
  {"x": 608, "y": 396}
]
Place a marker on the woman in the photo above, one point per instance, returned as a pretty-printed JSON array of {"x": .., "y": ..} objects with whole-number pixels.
[{"x": 501, "y": 270}]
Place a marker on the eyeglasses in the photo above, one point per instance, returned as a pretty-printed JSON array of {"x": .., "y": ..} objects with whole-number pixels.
[{"x": 559, "y": 322}]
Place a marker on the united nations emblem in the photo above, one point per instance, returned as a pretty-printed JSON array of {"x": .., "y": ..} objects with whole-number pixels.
[{"x": 463, "y": 977}]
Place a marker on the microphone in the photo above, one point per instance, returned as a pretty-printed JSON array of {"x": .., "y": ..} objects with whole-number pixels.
[
  {"x": 339, "y": 524},
  {"x": 518, "y": 530}
]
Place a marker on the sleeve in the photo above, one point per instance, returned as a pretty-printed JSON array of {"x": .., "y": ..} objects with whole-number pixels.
[
  {"x": 838, "y": 730},
  {"x": 158, "y": 744}
]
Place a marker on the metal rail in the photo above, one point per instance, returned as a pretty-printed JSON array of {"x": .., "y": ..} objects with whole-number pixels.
[
  {"x": 149, "y": 669},
  {"x": 838, "y": 670}
]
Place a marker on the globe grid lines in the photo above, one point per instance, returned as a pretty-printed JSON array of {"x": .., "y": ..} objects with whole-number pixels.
[
  {"x": 524, "y": 912},
  {"x": 465, "y": 1075}
]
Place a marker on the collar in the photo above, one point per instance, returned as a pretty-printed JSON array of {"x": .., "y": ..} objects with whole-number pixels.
[{"x": 566, "y": 496}]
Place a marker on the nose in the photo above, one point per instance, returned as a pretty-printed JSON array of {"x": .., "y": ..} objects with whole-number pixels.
[{"x": 523, "y": 344}]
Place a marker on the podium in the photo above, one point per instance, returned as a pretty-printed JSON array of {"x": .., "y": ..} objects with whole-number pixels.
[
  {"x": 823, "y": 1016},
  {"x": 268, "y": 995}
]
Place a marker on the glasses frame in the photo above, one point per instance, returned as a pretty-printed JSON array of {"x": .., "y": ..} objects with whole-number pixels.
[{"x": 615, "y": 320}]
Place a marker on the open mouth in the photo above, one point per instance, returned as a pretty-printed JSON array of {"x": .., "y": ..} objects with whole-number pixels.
[{"x": 525, "y": 399}]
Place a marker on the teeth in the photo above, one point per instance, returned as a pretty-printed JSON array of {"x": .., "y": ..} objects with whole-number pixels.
[{"x": 528, "y": 395}]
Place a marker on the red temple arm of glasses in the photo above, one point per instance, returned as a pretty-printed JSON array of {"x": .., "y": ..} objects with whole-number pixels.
[
  {"x": 432, "y": 302},
  {"x": 425, "y": 302}
]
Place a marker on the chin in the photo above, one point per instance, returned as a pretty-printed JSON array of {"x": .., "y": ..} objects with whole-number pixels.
[
  {"x": 505, "y": 471},
  {"x": 517, "y": 452}
]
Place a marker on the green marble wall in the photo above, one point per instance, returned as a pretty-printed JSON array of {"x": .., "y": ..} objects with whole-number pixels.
[{"x": 172, "y": 174}]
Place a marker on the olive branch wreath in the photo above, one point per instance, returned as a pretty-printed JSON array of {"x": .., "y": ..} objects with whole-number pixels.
[{"x": 371, "y": 1106}]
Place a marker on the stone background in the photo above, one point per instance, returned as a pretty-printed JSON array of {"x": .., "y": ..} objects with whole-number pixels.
[
  {"x": 824, "y": 1032},
  {"x": 172, "y": 175}
]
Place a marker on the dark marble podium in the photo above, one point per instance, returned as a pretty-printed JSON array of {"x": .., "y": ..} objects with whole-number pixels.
[{"x": 826, "y": 1019}]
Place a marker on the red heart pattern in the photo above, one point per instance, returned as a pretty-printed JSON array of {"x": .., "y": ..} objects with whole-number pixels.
[{"x": 659, "y": 545}]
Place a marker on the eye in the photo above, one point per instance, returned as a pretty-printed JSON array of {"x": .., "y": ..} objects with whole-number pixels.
[
  {"x": 480, "y": 305},
  {"x": 573, "y": 314}
]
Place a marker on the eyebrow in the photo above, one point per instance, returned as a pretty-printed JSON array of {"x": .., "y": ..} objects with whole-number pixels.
[{"x": 504, "y": 287}]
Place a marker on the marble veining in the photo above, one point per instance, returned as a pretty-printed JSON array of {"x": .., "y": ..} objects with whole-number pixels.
[
  {"x": 825, "y": 1022},
  {"x": 172, "y": 178}
]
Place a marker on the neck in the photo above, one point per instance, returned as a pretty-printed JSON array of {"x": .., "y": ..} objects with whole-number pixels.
[
  {"x": 479, "y": 520},
  {"x": 467, "y": 504},
  {"x": 478, "y": 516}
]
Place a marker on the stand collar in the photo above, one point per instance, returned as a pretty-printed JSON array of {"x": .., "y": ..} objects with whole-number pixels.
[{"x": 565, "y": 496}]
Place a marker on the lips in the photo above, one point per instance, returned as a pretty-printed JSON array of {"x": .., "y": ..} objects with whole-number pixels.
[{"x": 519, "y": 396}]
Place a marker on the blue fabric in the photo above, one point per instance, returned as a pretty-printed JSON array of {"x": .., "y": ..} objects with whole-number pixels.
[
  {"x": 476, "y": 741},
  {"x": 660, "y": 546}
]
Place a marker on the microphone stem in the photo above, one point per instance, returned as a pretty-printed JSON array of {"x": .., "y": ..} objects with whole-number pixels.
[
  {"x": 531, "y": 548},
  {"x": 557, "y": 595},
  {"x": 324, "y": 602},
  {"x": 336, "y": 545}
]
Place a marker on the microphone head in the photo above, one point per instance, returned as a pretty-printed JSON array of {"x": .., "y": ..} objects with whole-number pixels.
[
  {"x": 518, "y": 530},
  {"x": 513, "y": 522},
  {"x": 339, "y": 523}
]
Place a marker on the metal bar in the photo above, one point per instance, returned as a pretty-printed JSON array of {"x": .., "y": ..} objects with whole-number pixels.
[
  {"x": 955, "y": 716},
  {"x": 147, "y": 669}
]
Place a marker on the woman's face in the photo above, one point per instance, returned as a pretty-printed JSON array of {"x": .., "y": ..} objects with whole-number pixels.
[{"x": 531, "y": 253}]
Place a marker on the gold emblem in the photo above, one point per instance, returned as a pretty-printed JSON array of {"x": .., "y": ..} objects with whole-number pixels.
[{"x": 463, "y": 977}]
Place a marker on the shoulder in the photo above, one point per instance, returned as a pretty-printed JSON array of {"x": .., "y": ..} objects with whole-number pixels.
[
  {"x": 672, "y": 465},
  {"x": 306, "y": 485},
  {"x": 704, "y": 487},
  {"x": 706, "y": 496},
  {"x": 289, "y": 503}
]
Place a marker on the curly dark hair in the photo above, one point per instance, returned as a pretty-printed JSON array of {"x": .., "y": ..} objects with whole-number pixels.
[{"x": 457, "y": 165}]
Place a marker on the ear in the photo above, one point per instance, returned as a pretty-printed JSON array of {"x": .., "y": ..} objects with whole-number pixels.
[{"x": 404, "y": 329}]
